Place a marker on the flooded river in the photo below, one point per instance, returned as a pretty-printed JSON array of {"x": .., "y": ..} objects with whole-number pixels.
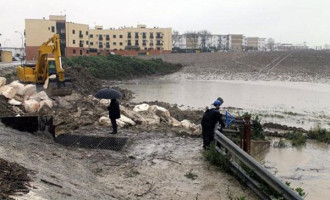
[{"x": 297, "y": 104}]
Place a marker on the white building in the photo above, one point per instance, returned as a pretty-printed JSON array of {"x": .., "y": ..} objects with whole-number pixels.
[{"x": 261, "y": 44}]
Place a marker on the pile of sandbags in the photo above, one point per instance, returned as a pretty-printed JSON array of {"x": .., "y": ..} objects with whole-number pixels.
[
  {"x": 25, "y": 96},
  {"x": 145, "y": 114}
]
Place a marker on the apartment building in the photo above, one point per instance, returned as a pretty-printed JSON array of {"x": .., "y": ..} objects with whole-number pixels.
[
  {"x": 235, "y": 42},
  {"x": 252, "y": 43},
  {"x": 78, "y": 39}
]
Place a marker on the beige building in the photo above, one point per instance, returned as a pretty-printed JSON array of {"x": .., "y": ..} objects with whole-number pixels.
[
  {"x": 79, "y": 39},
  {"x": 252, "y": 43},
  {"x": 235, "y": 42}
]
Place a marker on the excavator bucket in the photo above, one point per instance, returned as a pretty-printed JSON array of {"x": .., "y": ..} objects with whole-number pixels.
[{"x": 54, "y": 87}]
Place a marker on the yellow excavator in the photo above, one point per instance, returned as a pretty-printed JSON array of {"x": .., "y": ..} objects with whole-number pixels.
[{"x": 47, "y": 70}]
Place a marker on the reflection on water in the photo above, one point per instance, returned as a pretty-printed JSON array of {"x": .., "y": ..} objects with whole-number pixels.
[
  {"x": 297, "y": 99},
  {"x": 306, "y": 166}
]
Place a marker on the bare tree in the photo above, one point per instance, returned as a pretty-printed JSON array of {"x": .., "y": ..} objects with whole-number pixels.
[
  {"x": 204, "y": 35},
  {"x": 175, "y": 38},
  {"x": 191, "y": 39},
  {"x": 271, "y": 43}
]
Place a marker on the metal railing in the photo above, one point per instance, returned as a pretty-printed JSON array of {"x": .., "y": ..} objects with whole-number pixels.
[{"x": 263, "y": 173}]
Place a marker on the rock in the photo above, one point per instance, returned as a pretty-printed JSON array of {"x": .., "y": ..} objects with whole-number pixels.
[
  {"x": 31, "y": 106},
  {"x": 73, "y": 97},
  {"x": 39, "y": 96},
  {"x": 3, "y": 81},
  {"x": 14, "y": 102},
  {"x": 62, "y": 103},
  {"x": 105, "y": 121},
  {"x": 3, "y": 88},
  {"x": 136, "y": 117},
  {"x": 29, "y": 90},
  {"x": 105, "y": 102},
  {"x": 161, "y": 112},
  {"x": 19, "y": 87},
  {"x": 186, "y": 124},
  {"x": 141, "y": 107},
  {"x": 150, "y": 117},
  {"x": 174, "y": 122},
  {"x": 18, "y": 98},
  {"x": 78, "y": 113},
  {"x": 44, "y": 107},
  {"x": 126, "y": 120},
  {"x": 9, "y": 93}
]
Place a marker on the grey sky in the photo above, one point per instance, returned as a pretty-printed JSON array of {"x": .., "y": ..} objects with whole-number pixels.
[{"x": 287, "y": 21}]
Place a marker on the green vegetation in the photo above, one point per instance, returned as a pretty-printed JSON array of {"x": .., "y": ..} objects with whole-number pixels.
[
  {"x": 191, "y": 175},
  {"x": 299, "y": 190},
  {"x": 280, "y": 144},
  {"x": 216, "y": 158},
  {"x": 319, "y": 134},
  {"x": 117, "y": 67},
  {"x": 257, "y": 130},
  {"x": 297, "y": 138},
  {"x": 291, "y": 113},
  {"x": 232, "y": 197}
]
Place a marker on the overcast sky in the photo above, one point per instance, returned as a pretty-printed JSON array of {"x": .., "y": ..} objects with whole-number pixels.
[{"x": 287, "y": 21}]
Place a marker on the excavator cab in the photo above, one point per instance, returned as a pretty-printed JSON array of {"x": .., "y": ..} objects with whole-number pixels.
[{"x": 47, "y": 70}]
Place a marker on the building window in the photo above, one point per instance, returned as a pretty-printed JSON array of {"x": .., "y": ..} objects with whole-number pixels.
[
  {"x": 136, "y": 35},
  {"x": 73, "y": 41},
  {"x": 136, "y": 42},
  {"x": 91, "y": 36},
  {"x": 107, "y": 37},
  {"x": 53, "y": 29},
  {"x": 81, "y": 52},
  {"x": 120, "y": 36},
  {"x": 73, "y": 32},
  {"x": 100, "y": 37},
  {"x": 114, "y": 43},
  {"x": 144, "y": 43},
  {"x": 120, "y": 43},
  {"x": 86, "y": 32},
  {"x": 80, "y": 34},
  {"x": 129, "y": 35},
  {"x": 144, "y": 35},
  {"x": 87, "y": 42},
  {"x": 74, "y": 52},
  {"x": 87, "y": 51},
  {"x": 151, "y": 35},
  {"x": 129, "y": 43},
  {"x": 114, "y": 36},
  {"x": 159, "y": 35}
]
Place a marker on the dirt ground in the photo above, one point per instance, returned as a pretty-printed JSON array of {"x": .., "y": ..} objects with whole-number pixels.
[
  {"x": 305, "y": 66},
  {"x": 152, "y": 166}
]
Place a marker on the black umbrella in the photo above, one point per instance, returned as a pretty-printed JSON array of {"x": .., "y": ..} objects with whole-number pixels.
[{"x": 108, "y": 93}]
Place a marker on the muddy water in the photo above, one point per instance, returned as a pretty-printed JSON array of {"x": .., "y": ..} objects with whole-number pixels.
[
  {"x": 290, "y": 103},
  {"x": 307, "y": 167}
]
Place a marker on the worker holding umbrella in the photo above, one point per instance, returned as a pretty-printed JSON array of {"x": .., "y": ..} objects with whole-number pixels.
[{"x": 114, "y": 110}]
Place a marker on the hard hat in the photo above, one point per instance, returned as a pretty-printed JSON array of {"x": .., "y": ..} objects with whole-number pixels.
[
  {"x": 221, "y": 100},
  {"x": 217, "y": 103}
]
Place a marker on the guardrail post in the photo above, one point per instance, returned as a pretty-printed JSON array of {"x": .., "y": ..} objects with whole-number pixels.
[{"x": 247, "y": 135}]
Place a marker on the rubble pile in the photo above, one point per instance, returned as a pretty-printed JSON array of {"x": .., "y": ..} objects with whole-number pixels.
[{"x": 14, "y": 179}]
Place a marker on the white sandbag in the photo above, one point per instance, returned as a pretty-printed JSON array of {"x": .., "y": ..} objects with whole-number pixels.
[
  {"x": 3, "y": 88},
  {"x": 48, "y": 102},
  {"x": 174, "y": 122},
  {"x": 161, "y": 112},
  {"x": 31, "y": 106},
  {"x": 47, "y": 81},
  {"x": 19, "y": 87},
  {"x": 9, "y": 93},
  {"x": 3, "y": 81},
  {"x": 141, "y": 107},
  {"x": 14, "y": 102}
]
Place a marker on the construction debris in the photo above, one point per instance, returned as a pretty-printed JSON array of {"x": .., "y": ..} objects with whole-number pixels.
[{"x": 13, "y": 179}]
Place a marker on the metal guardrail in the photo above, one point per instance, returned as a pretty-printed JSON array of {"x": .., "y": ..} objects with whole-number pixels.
[{"x": 263, "y": 173}]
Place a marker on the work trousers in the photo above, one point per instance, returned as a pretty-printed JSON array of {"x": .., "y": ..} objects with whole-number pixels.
[{"x": 114, "y": 124}]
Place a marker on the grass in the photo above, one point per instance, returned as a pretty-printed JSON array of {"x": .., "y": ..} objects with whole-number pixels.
[
  {"x": 319, "y": 134},
  {"x": 257, "y": 130},
  {"x": 217, "y": 159},
  {"x": 191, "y": 175},
  {"x": 297, "y": 138},
  {"x": 116, "y": 67}
]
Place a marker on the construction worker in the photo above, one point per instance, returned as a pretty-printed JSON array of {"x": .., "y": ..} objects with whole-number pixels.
[
  {"x": 210, "y": 119},
  {"x": 114, "y": 113}
]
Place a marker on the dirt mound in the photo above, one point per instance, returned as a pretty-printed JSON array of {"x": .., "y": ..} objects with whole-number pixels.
[
  {"x": 13, "y": 178},
  {"x": 82, "y": 80},
  {"x": 5, "y": 108}
]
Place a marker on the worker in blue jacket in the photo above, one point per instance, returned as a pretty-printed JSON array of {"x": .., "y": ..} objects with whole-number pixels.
[{"x": 210, "y": 118}]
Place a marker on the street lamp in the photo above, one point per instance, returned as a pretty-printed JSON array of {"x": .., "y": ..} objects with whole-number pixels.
[{"x": 22, "y": 43}]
